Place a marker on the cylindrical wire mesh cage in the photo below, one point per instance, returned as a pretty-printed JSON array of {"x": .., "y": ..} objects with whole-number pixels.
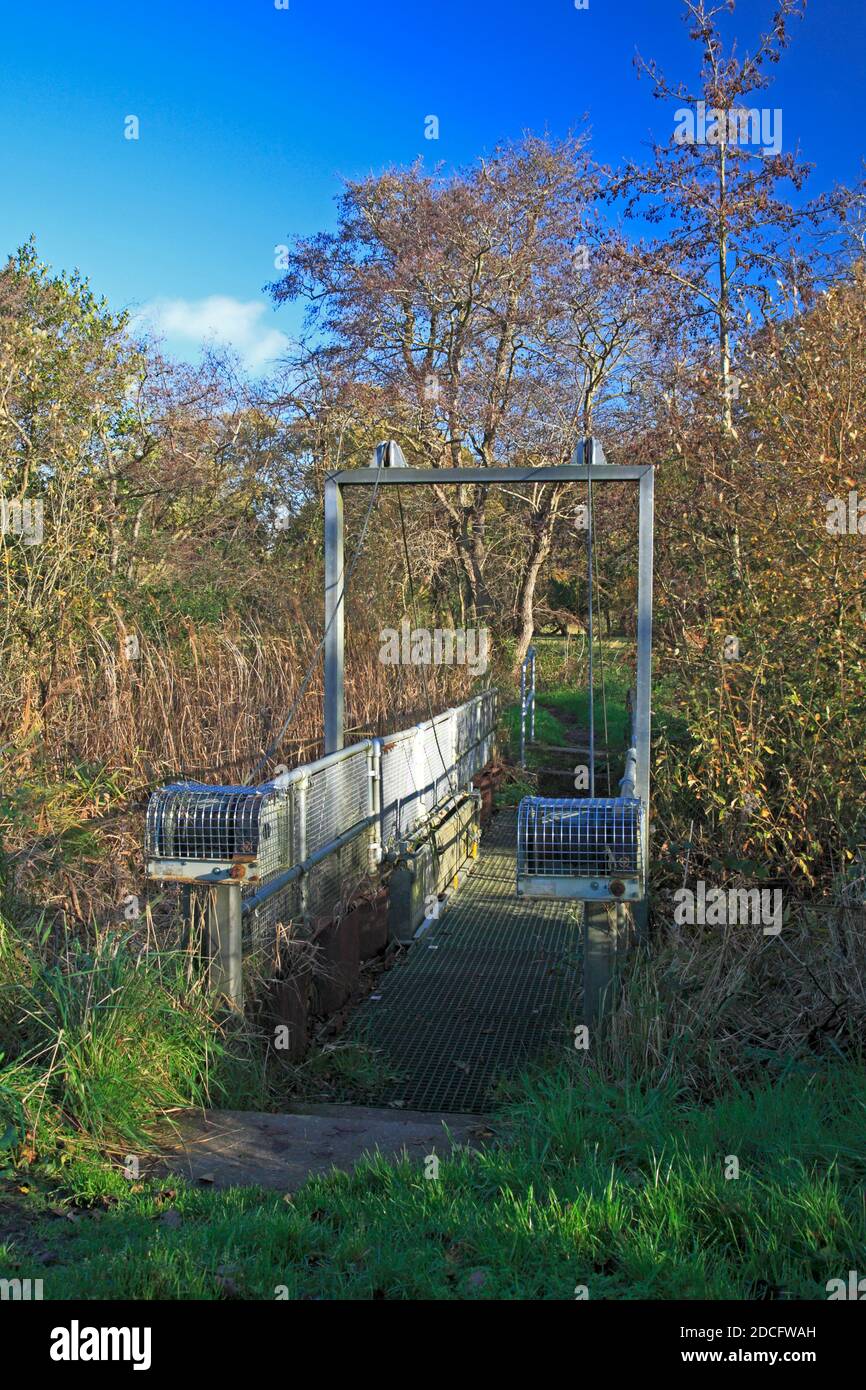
[
  {"x": 190, "y": 822},
  {"x": 587, "y": 848}
]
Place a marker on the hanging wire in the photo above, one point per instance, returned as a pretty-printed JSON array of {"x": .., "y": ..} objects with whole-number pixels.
[
  {"x": 587, "y": 450},
  {"x": 589, "y": 454},
  {"x": 601, "y": 674}
]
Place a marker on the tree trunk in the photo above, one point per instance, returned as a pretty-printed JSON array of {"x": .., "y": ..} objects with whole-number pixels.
[{"x": 539, "y": 551}]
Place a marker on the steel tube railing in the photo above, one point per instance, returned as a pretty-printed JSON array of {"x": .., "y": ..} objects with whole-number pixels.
[
  {"x": 298, "y": 871},
  {"x": 457, "y": 772}
]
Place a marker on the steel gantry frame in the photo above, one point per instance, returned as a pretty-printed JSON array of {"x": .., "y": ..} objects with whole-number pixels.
[{"x": 584, "y": 468}]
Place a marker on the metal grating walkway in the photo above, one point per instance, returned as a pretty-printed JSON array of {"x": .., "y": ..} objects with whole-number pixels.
[{"x": 489, "y": 987}]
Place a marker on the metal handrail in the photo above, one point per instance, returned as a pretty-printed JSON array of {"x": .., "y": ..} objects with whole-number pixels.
[
  {"x": 290, "y": 876},
  {"x": 629, "y": 780},
  {"x": 375, "y": 751},
  {"x": 286, "y": 779}
]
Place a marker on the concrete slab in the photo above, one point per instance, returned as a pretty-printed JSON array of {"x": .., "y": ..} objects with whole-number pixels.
[{"x": 232, "y": 1148}]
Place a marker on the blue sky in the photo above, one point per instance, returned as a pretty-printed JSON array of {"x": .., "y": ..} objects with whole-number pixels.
[{"x": 250, "y": 115}]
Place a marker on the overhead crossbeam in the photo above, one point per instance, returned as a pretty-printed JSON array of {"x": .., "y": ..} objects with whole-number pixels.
[{"x": 576, "y": 472}]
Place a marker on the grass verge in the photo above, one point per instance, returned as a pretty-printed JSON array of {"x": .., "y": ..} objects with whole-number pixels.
[{"x": 618, "y": 1190}]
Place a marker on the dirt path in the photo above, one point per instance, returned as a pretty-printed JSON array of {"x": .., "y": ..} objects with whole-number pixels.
[{"x": 231, "y": 1148}]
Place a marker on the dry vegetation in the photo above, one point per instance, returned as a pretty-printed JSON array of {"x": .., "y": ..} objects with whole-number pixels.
[{"x": 167, "y": 618}]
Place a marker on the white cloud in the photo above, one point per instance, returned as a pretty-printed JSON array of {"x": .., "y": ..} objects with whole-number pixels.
[{"x": 217, "y": 319}]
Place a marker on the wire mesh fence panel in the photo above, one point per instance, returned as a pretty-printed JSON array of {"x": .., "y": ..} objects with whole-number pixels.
[
  {"x": 338, "y": 796},
  {"x": 281, "y": 908},
  {"x": 334, "y": 880},
  {"x": 402, "y": 785},
  {"x": 423, "y": 766},
  {"x": 440, "y": 779},
  {"x": 473, "y": 735},
  {"x": 278, "y": 826}
]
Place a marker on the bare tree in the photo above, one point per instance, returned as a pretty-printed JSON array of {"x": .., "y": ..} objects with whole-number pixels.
[
  {"x": 472, "y": 305},
  {"x": 730, "y": 236}
]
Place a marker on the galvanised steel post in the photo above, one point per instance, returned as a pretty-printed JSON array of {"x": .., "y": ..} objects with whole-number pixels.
[
  {"x": 335, "y": 617},
  {"x": 532, "y": 705},
  {"x": 224, "y": 942},
  {"x": 374, "y": 801},
  {"x": 642, "y": 713},
  {"x": 301, "y": 788}
]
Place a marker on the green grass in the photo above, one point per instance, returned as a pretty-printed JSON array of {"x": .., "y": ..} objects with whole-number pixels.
[
  {"x": 103, "y": 1036},
  {"x": 574, "y": 704},
  {"x": 548, "y": 729},
  {"x": 562, "y": 702},
  {"x": 560, "y": 710},
  {"x": 514, "y": 789},
  {"x": 618, "y": 1189}
]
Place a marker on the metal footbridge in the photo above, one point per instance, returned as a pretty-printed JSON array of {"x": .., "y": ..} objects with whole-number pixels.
[
  {"x": 492, "y": 985},
  {"x": 530, "y": 941}
]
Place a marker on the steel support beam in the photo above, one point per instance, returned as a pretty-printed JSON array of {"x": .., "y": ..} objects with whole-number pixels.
[
  {"x": 335, "y": 614},
  {"x": 442, "y": 477},
  {"x": 599, "y": 960},
  {"x": 224, "y": 942},
  {"x": 559, "y": 473},
  {"x": 643, "y": 694}
]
